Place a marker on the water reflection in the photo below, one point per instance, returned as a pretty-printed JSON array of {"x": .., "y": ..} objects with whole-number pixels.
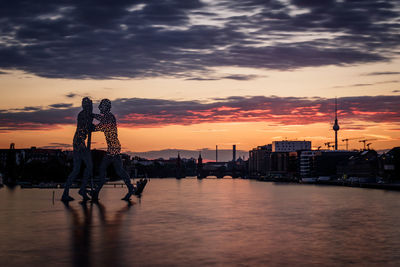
[
  {"x": 82, "y": 226},
  {"x": 80, "y": 235},
  {"x": 225, "y": 222}
]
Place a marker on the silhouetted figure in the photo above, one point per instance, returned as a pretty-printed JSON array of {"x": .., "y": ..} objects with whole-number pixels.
[
  {"x": 108, "y": 125},
  {"x": 81, "y": 152}
]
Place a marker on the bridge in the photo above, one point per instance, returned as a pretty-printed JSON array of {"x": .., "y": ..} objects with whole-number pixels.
[{"x": 220, "y": 169}]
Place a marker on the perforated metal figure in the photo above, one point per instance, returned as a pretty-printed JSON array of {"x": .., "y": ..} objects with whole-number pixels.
[
  {"x": 108, "y": 125},
  {"x": 81, "y": 152}
]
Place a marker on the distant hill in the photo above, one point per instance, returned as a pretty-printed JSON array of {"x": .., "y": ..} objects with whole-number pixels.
[{"x": 207, "y": 154}]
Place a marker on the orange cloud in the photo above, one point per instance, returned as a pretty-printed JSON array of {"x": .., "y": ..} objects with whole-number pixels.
[{"x": 139, "y": 112}]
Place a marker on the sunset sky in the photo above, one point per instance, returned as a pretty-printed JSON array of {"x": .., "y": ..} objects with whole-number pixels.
[{"x": 193, "y": 74}]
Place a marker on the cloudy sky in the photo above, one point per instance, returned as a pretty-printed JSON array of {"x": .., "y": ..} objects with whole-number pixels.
[{"x": 192, "y": 74}]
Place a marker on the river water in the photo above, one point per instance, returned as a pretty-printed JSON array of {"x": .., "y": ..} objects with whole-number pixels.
[{"x": 224, "y": 222}]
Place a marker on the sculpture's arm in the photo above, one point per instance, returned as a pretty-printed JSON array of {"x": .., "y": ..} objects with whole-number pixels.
[
  {"x": 97, "y": 116},
  {"x": 101, "y": 126}
]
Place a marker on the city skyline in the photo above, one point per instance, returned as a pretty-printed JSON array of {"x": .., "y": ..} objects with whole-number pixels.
[{"x": 202, "y": 73}]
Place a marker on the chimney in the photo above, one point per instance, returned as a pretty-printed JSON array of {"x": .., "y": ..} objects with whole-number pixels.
[{"x": 234, "y": 153}]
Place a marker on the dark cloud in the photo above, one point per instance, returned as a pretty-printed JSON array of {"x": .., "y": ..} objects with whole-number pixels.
[
  {"x": 71, "y": 95},
  {"x": 365, "y": 84},
  {"x": 313, "y": 3},
  {"x": 396, "y": 91},
  {"x": 40, "y": 119},
  {"x": 140, "y": 112},
  {"x": 354, "y": 85},
  {"x": 202, "y": 79},
  {"x": 361, "y": 84},
  {"x": 61, "y": 105},
  {"x": 121, "y": 38},
  {"x": 383, "y": 82},
  {"x": 241, "y": 77},
  {"x": 28, "y": 108},
  {"x": 238, "y": 77},
  {"x": 382, "y": 73}
]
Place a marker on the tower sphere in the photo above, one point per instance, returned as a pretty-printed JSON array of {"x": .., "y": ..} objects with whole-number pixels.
[{"x": 336, "y": 127}]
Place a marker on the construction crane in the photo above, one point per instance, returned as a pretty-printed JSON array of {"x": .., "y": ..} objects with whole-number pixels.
[
  {"x": 347, "y": 141},
  {"x": 364, "y": 141},
  {"x": 328, "y": 144}
]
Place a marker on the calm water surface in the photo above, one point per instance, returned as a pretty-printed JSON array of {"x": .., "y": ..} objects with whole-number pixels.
[{"x": 222, "y": 222}]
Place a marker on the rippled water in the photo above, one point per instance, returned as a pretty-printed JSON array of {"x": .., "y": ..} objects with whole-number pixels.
[{"x": 207, "y": 222}]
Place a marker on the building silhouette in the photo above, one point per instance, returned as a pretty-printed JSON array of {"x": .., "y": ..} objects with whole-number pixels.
[{"x": 290, "y": 146}]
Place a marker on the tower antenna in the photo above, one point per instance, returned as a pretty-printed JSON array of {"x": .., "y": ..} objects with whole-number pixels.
[{"x": 336, "y": 125}]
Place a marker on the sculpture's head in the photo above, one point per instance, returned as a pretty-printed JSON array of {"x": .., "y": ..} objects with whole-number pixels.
[
  {"x": 105, "y": 106},
  {"x": 87, "y": 104}
]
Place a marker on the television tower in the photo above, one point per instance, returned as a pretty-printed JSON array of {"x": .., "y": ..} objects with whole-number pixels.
[{"x": 336, "y": 125}]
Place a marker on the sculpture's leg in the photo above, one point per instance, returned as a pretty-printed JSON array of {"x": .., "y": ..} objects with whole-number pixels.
[
  {"x": 102, "y": 176},
  {"x": 119, "y": 169},
  {"x": 75, "y": 171},
  {"x": 86, "y": 156}
]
